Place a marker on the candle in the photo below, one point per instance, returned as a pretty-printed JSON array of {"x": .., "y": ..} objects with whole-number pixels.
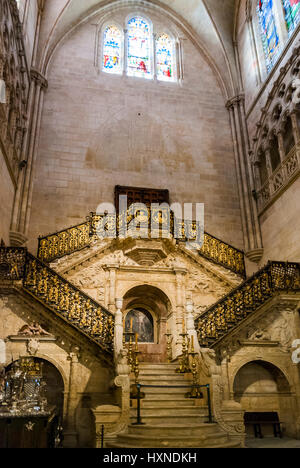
[
  {"x": 136, "y": 338},
  {"x": 124, "y": 325},
  {"x": 192, "y": 343},
  {"x": 183, "y": 326},
  {"x": 131, "y": 323}
]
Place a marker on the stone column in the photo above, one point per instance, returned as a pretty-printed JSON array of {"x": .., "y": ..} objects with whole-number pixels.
[
  {"x": 118, "y": 338},
  {"x": 70, "y": 433},
  {"x": 23, "y": 198},
  {"x": 190, "y": 324},
  {"x": 281, "y": 146},
  {"x": 112, "y": 287},
  {"x": 249, "y": 213},
  {"x": 296, "y": 131},
  {"x": 180, "y": 312}
]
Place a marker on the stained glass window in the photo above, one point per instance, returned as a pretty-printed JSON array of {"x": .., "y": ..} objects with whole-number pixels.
[
  {"x": 292, "y": 14},
  {"x": 165, "y": 58},
  {"x": 269, "y": 33},
  {"x": 112, "y": 50},
  {"x": 139, "y": 48}
]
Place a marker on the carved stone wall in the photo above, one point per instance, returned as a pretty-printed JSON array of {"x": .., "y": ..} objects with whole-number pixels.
[{"x": 86, "y": 379}]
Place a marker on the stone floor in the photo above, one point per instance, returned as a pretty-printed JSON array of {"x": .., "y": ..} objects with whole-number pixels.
[{"x": 272, "y": 442}]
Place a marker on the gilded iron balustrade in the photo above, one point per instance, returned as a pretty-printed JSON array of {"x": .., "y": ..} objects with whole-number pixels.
[
  {"x": 78, "y": 237},
  {"x": 58, "y": 295},
  {"x": 12, "y": 263},
  {"x": 229, "y": 312}
]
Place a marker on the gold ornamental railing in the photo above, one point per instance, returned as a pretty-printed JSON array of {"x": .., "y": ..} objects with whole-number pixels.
[
  {"x": 223, "y": 317},
  {"x": 76, "y": 238},
  {"x": 56, "y": 293}
]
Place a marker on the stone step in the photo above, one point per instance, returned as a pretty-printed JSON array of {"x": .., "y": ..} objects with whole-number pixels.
[
  {"x": 170, "y": 377},
  {"x": 168, "y": 402},
  {"x": 158, "y": 367},
  {"x": 172, "y": 419},
  {"x": 151, "y": 371},
  {"x": 162, "y": 382},
  {"x": 214, "y": 439},
  {"x": 174, "y": 442},
  {"x": 177, "y": 411},
  {"x": 165, "y": 391},
  {"x": 177, "y": 430}
]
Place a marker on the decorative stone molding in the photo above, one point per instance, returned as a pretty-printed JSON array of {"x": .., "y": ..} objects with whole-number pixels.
[
  {"x": 38, "y": 78},
  {"x": 255, "y": 255}
]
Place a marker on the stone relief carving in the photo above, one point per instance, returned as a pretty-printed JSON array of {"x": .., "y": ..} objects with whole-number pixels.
[
  {"x": 33, "y": 346},
  {"x": 32, "y": 330}
]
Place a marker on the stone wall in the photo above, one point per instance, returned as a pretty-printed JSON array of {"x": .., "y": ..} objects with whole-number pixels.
[
  {"x": 279, "y": 223},
  {"x": 100, "y": 130}
]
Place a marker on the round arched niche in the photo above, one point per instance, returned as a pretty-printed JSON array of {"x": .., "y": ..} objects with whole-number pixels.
[
  {"x": 54, "y": 384},
  {"x": 146, "y": 308},
  {"x": 260, "y": 386}
]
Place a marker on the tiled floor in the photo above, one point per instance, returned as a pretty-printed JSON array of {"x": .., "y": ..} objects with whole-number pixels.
[{"x": 272, "y": 442}]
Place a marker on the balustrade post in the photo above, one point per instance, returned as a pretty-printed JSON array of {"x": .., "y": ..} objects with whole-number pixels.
[{"x": 190, "y": 324}]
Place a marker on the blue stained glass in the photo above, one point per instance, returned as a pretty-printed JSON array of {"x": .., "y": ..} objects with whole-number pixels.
[
  {"x": 292, "y": 14},
  {"x": 139, "y": 43},
  {"x": 164, "y": 58},
  {"x": 112, "y": 50},
  {"x": 269, "y": 33}
]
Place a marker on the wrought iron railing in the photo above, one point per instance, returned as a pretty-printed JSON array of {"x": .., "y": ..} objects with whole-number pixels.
[
  {"x": 59, "y": 295},
  {"x": 279, "y": 180},
  {"x": 224, "y": 316},
  {"x": 78, "y": 237}
]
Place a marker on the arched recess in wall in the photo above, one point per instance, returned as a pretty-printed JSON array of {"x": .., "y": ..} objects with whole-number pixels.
[
  {"x": 261, "y": 386},
  {"x": 208, "y": 46}
]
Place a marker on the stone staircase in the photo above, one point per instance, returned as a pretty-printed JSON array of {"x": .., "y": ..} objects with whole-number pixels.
[{"x": 169, "y": 419}]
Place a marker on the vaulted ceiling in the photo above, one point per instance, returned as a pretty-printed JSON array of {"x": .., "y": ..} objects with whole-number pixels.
[{"x": 210, "y": 24}]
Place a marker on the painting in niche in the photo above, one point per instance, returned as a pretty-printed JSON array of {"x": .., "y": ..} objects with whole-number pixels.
[{"x": 142, "y": 323}]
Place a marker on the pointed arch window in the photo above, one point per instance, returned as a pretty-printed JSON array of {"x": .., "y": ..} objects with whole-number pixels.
[
  {"x": 292, "y": 14},
  {"x": 112, "y": 50},
  {"x": 139, "y": 48},
  {"x": 165, "y": 63},
  {"x": 269, "y": 32}
]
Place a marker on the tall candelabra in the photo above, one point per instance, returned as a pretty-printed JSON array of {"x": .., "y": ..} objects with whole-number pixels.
[
  {"x": 195, "y": 391},
  {"x": 169, "y": 346},
  {"x": 184, "y": 367}
]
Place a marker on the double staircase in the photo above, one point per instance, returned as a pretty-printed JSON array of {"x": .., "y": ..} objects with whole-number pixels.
[{"x": 170, "y": 420}]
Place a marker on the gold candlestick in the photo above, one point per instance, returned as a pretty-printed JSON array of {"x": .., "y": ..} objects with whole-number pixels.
[
  {"x": 169, "y": 346},
  {"x": 184, "y": 367}
]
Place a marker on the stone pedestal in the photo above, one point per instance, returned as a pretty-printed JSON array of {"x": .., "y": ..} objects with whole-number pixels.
[{"x": 106, "y": 416}]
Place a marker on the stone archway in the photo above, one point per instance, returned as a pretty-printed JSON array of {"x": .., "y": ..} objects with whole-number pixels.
[
  {"x": 147, "y": 308},
  {"x": 54, "y": 385},
  {"x": 260, "y": 386}
]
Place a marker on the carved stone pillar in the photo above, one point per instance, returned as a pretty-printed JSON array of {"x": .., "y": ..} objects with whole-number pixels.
[
  {"x": 281, "y": 146},
  {"x": 296, "y": 130},
  {"x": 190, "y": 324},
  {"x": 70, "y": 433},
  {"x": 112, "y": 287},
  {"x": 180, "y": 312},
  {"x": 245, "y": 179}
]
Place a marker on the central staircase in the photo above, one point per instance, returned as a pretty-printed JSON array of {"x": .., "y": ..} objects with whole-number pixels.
[{"x": 170, "y": 420}]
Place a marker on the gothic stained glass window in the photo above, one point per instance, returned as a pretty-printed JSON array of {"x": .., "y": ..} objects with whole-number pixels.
[
  {"x": 164, "y": 58},
  {"x": 269, "y": 33},
  {"x": 112, "y": 50},
  {"x": 292, "y": 14},
  {"x": 139, "y": 48}
]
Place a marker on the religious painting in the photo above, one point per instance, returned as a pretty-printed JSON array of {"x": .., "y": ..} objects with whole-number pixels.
[{"x": 140, "y": 321}]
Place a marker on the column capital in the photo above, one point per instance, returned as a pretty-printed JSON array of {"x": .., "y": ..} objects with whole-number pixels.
[
  {"x": 234, "y": 101},
  {"x": 38, "y": 78}
]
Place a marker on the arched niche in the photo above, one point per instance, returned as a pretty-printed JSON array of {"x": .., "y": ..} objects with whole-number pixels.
[
  {"x": 147, "y": 308},
  {"x": 54, "y": 384},
  {"x": 260, "y": 386}
]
